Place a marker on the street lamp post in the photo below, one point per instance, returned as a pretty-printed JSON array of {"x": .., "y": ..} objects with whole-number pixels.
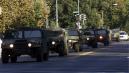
[
  {"x": 78, "y": 7},
  {"x": 57, "y": 25},
  {"x": 114, "y": 4},
  {"x": 78, "y": 15}
]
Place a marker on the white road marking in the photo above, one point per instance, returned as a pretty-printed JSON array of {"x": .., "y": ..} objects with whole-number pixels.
[
  {"x": 110, "y": 54},
  {"x": 85, "y": 53}
]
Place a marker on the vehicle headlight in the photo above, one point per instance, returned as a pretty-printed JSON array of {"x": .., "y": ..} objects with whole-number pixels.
[
  {"x": 11, "y": 45},
  {"x": 70, "y": 40},
  {"x": 53, "y": 42},
  {"x": 88, "y": 38},
  {"x": 101, "y": 37},
  {"x": 29, "y": 44}
]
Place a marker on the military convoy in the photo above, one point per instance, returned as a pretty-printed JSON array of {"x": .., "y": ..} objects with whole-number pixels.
[{"x": 38, "y": 43}]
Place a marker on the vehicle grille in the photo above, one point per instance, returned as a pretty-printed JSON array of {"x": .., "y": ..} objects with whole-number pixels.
[{"x": 21, "y": 44}]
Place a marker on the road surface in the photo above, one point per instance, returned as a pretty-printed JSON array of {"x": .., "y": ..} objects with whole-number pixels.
[{"x": 114, "y": 58}]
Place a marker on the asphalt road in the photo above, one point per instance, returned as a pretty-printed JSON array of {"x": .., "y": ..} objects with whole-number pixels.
[{"x": 114, "y": 58}]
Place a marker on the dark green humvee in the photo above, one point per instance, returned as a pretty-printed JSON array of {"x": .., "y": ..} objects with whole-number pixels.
[
  {"x": 102, "y": 36},
  {"x": 57, "y": 41},
  {"x": 73, "y": 39},
  {"x": 88, "y": 37},
  {"x": 24, "y": 41}
]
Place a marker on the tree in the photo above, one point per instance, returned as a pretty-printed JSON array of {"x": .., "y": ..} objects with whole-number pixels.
[
  {"x": 17, "y": 13},
  {"x": 65, "y": 10},
  {"x": 98, "y": 12}
]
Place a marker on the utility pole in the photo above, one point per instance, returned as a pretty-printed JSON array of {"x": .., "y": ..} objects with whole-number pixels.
[
  {"x": 102, "y": 16},
  {"x": 57, "y": 25},
  {"x": 78, "y": 21},
  {"x": 78, "y": 7}
]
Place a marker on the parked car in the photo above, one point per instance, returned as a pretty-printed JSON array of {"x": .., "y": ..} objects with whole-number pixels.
[
  {"x": 57, "y": 41},
  {"x": 24, "y": 41},
  {"x": 123, "y": 35},
  {"x": 102, "y": 36},
  {"x": 73, "y": 39},
  {"x": 88, "y": 37}
]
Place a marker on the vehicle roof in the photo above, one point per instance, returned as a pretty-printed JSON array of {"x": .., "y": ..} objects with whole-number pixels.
[
  {"x": 54, "y": 29},
  {"x": 122, "y": 31},
  {"x": 24, "y": 28}
]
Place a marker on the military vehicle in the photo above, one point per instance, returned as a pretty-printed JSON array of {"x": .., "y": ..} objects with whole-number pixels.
[
  {"x": 57, "y": 41},
  {"x": 102, "y": 36},
  {"x": 73, "y": 39},
  {"x": 88, "y": 38},
  {"x": 24, "y": 41}
]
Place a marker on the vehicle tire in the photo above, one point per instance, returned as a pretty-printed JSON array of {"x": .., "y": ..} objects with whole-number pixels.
[
  {"x": 106, "y": 43},
  {"x": 63, "y": 50},
  {"x": 39, "y": 56},
  {"x": 5, "y": 56},
  {"x": 76, "y": 47},
  {"x": 95, "y": 45},
  {"x": 45, "y": 56},
  {"x": 66, "y": 51},
  {"x": 13, "y": 59}
]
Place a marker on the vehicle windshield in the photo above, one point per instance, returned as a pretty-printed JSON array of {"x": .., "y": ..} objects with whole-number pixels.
[
  {"x": 73, "y": 33},
  {"x": 87, "y": 32},
  {"x": 13, "y": 34},
  {"x": 23, "y": 34},
  {"x": 122, "y": 33},
  {"x": 102, "y": 32},
  {"x": 55, "y": 33},
  {"x": 32, "y": 34}
]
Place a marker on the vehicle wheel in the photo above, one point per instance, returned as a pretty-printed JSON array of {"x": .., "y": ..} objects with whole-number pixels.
[
  {"x": 66, "y": 51},
  {"x": 95, "y": 45},
  {"x": 45, "y": 56},
  {"x": 5, "y": 56},
  {"x": 61, "y": 54},
  {"x": 76, "y": 47},
  {"x": 106, "y": 43},
  {"x": 39, "y": 56},
  {"x": 63, "y": 50},
  {"x": 14, "y": 59}
]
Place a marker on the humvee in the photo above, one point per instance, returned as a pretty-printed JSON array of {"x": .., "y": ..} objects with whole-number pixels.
[
  {"x": 102, "y": 36},
  {"x": 73, "y": 39},
  {"x": 88, "y": 37},
  {"x": 57, "y": 41},
  {"x": 24, "y": 41}
]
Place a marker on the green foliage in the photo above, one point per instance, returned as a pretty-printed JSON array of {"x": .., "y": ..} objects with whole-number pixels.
[
  {"x": 114, "y": 16},
  {"x": 35, "y": 12},
  {"x": 19, "y": 13}
]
